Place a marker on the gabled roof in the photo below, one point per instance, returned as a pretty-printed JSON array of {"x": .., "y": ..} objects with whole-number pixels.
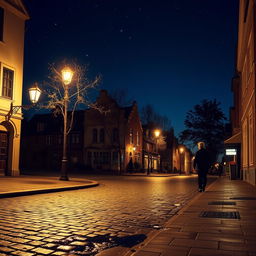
[
  {"x": 18, "y": 7},
  {"x": 235, "y": 139},
  {"x": 127, "y": 111}
]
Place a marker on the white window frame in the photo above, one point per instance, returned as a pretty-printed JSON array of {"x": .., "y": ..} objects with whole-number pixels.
[{"x": 2, "y": 66}]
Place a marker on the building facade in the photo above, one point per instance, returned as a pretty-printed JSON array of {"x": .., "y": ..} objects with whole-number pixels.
[
  {"x": 12, "y": 21},
  {"x": 113, "y": 136},
  {"x": 42, "y": 142},
  {"x": 151, "y": 156},
  {"x": 243, "y": 86}
]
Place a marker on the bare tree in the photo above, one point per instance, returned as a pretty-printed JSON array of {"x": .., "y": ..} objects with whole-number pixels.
[
  {"x": 121, "y": 97},
  {"x": 66, "y": 89},
  {"x": 151, "y": 118},
  {"x": 77, "y": 93}
]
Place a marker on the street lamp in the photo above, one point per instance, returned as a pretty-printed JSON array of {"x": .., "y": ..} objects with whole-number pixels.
[
  {"x": 157, "y": 134},
  {"x": 181, "y": 150},
  {"x": 34, "y": 95},
  {"x": 67, "y": 75}
]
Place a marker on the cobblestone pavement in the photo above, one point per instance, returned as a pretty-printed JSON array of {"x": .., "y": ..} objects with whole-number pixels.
[{"x": 84, "y": 222}]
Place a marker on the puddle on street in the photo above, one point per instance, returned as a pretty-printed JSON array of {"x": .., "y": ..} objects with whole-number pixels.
[{"x": 94, "y": 245}]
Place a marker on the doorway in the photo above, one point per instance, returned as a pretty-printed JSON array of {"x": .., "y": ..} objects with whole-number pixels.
[{"x": 3, "y": 152}]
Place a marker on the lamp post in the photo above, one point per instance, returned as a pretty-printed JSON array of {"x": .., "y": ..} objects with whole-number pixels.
[
  {"x": 157, "y": 134},
  {"x": 34, "y": 95},
  {"x": 181, "y": 150},
  {"x": 67, "y": 75}
]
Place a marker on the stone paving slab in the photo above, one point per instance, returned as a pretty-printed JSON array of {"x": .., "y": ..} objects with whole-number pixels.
[
  {"x": 29, "y": 185},
  {"x": 188, "y": 234}
]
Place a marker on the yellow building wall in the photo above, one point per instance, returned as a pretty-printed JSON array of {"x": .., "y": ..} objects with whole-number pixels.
[{"x": 11, "y": 56}]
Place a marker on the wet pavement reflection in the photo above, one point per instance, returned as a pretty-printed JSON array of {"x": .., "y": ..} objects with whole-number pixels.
[{"x": 121, "y": 211}]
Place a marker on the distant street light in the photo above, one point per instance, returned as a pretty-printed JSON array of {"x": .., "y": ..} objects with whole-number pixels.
[
  {"x": 34, "y": 95},
  {"x": 157, "y": 133},
  {"x": 181, "y": 150},
  {"x": 67, "y": 75}
]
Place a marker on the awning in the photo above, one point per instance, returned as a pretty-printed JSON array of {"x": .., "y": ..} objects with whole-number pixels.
[{"x": 237, "y": 138}]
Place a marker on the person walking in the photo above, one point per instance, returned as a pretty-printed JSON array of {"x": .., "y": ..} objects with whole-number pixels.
[{"x": 201, "y": 165}]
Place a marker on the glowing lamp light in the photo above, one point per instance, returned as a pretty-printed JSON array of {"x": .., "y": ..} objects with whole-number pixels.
[
  {"x": 181, "y": 149},
  {"x": 67, "y": 75},
  {"x": 34, "y": 93},
  {"x": 157, "y": 133}
]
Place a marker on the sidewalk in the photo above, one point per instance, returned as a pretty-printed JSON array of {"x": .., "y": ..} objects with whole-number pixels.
[
  {"x": 153, "y": 174},
  {"x": 208, "y": 224},
  {"x": 29, "y": 185}
]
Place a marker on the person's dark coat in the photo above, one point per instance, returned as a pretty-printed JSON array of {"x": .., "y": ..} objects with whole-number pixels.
[{"x": 202, "y": 160}]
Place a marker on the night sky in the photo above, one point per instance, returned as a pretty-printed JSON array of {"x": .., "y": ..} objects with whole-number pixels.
[{"x": 168, "y": 53}]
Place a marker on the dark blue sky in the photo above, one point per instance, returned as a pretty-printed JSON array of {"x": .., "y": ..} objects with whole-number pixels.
[{"x": 169, "y": 53}]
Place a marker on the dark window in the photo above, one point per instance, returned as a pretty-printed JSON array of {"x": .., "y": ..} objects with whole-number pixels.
[
  {"x": 115, "y": 157},
  {"x": 94, "y": 136},
  {"x": 40, "y": 127},
  {"x": 105, "y": 157},
  {"x": 115, "y": 135},
  {"x": 102, "y": 136},
  {"x": 48, "y": 140},
  {"x": 89, "y": 158},
  {"x": 75, "y": 138},
  {"x": 101, "y": 157},
  {"x": 96, "y": 157},
  {"x": 1, "y": 24},
  {"x": 131, "y": 136},
  {"x": 8, "y": 75}
]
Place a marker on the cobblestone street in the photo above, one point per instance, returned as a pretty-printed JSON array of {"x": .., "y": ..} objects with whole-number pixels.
[{"x": 84, "y": 222}]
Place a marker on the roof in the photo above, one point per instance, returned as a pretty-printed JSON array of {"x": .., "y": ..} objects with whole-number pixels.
[
  {"x": 17, "y": 5},
  {"x": 127, "y": 111},
  {"x": 235, "y": 139}
]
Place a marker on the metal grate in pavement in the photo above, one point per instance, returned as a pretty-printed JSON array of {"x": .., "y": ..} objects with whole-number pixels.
[
  {"x": 221, "y": 203},
  {"x": 243, "y": 198},
  {"x": 224, "y": 215}
]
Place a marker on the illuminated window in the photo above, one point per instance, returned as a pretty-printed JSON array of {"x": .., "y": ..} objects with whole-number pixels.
[
  {"x": 137, "y": 138},
  {"x": 8, "y": 76},
  {"x": 1, "y": 24}
]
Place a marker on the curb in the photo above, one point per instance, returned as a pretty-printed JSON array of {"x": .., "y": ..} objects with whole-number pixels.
[
  {"x": 152, "y": 175},
  {"x": 47, "y": 190}
]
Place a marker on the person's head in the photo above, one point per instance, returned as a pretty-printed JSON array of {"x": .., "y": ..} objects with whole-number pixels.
[{"x": 201, "y": 145}]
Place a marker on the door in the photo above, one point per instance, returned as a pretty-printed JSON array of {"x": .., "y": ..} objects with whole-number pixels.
[{"x": 3, "y": 152}]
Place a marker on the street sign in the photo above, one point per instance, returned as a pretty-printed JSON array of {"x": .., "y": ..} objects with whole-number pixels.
[{"x": 230, "y": 151}]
